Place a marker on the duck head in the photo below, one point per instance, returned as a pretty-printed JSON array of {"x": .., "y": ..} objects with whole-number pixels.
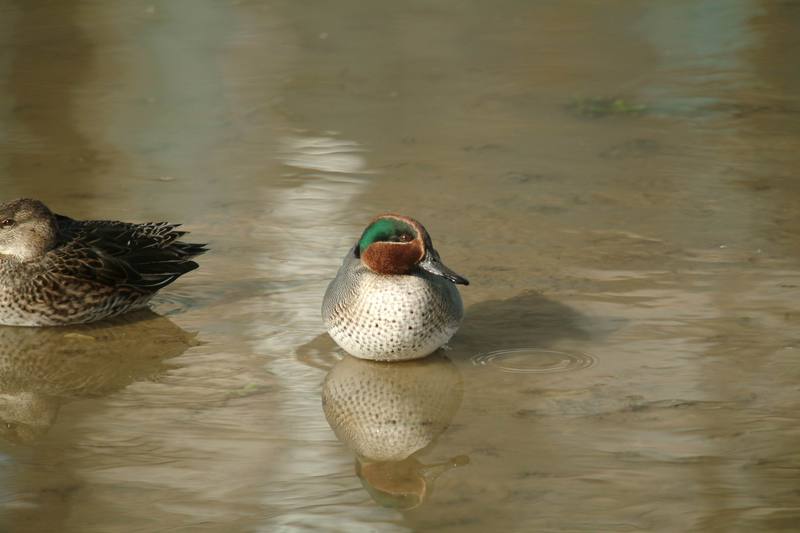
[
  {"x": 403, "y": 484},
  {"x": 395, "y": 245},
  {"x": 27, "y": 229}
]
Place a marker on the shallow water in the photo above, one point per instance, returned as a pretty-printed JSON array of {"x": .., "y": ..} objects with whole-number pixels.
[{"x": 616, "y": 179}]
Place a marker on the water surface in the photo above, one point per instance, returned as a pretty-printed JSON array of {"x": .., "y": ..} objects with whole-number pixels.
[{"x": 616, "y": 179}]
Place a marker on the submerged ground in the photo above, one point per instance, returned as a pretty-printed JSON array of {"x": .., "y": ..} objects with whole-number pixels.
[{"x": 616, "y": 179}]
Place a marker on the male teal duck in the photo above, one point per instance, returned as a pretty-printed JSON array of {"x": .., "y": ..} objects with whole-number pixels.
[
  {"x": 57, "y": 271},
  {"x": 393, "y": 299}
]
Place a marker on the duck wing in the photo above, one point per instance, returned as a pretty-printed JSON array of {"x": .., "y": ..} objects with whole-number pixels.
[{"x": 146, "y": 257}]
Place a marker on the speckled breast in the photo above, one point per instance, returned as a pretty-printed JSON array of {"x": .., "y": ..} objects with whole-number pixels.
[
  {"x": 391, "y": 318},
  {"x": 386, "y": 412}
]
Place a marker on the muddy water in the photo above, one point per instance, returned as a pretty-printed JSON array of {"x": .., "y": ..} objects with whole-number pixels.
[{"x": 618, "y": 181}]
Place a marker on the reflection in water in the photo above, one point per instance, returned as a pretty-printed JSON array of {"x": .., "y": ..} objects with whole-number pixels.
[
  {"x": 388, "y": 413},
  {"x": 43, "y": 139},
  {"x": 324, "y": 154},
  {"x": 706, "y": 49},
  {"x": 402, "y": 484},
  {"x": 43, "y": 368}
]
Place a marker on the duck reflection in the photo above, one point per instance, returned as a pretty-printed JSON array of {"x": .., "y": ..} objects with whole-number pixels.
[
  {"x": 388, "y": 414},
  {"x": 43, "y": 368}
]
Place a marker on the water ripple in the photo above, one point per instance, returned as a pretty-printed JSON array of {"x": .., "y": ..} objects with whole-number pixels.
[{"x": 534, "y": 360}]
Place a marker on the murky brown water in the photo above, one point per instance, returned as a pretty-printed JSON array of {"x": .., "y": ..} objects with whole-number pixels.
[{"x": 630, "y": 358}]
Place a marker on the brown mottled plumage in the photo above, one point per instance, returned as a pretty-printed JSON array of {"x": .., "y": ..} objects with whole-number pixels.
[
  {"x": 43, "y": 368},
  {"x": 55, "y": 270}
]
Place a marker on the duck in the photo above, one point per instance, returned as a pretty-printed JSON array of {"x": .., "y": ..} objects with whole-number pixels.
[
  {"x": 43, "y": 369},
  {"x": 387, "y": 412},
  {"x": 390, "y": 415},
  {"x": 393, "y": 299},
  {"x": 57, "y": 271}
]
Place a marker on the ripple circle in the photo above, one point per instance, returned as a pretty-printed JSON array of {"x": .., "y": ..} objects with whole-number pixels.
[{"x": 534, "y": 361}]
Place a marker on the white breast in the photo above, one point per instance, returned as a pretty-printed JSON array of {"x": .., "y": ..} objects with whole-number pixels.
[{"x": 394, "y": 317}]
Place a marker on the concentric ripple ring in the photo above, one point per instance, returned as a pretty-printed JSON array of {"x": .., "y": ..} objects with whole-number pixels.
[{"x": 534, "y": 361}]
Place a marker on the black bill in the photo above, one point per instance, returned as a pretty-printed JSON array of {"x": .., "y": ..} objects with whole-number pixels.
[{"x": 434, "y": 265}]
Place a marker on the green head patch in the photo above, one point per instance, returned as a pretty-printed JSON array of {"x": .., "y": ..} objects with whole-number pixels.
[{"x": 386, "y": 230}]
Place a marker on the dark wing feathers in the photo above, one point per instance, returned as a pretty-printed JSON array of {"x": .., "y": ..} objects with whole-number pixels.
[{"x": 142, "y": 256}]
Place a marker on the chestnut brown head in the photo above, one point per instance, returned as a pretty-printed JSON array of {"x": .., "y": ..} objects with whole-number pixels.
[{"x": 398, "y": 245}]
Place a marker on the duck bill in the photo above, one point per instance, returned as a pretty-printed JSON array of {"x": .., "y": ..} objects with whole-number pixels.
[{"x": 435, "y": 266}]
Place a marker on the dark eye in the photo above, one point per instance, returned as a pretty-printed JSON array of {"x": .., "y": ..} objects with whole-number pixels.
[
  {"x": 405, "y": 237},
  {"x": 7, "y": 223}
]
